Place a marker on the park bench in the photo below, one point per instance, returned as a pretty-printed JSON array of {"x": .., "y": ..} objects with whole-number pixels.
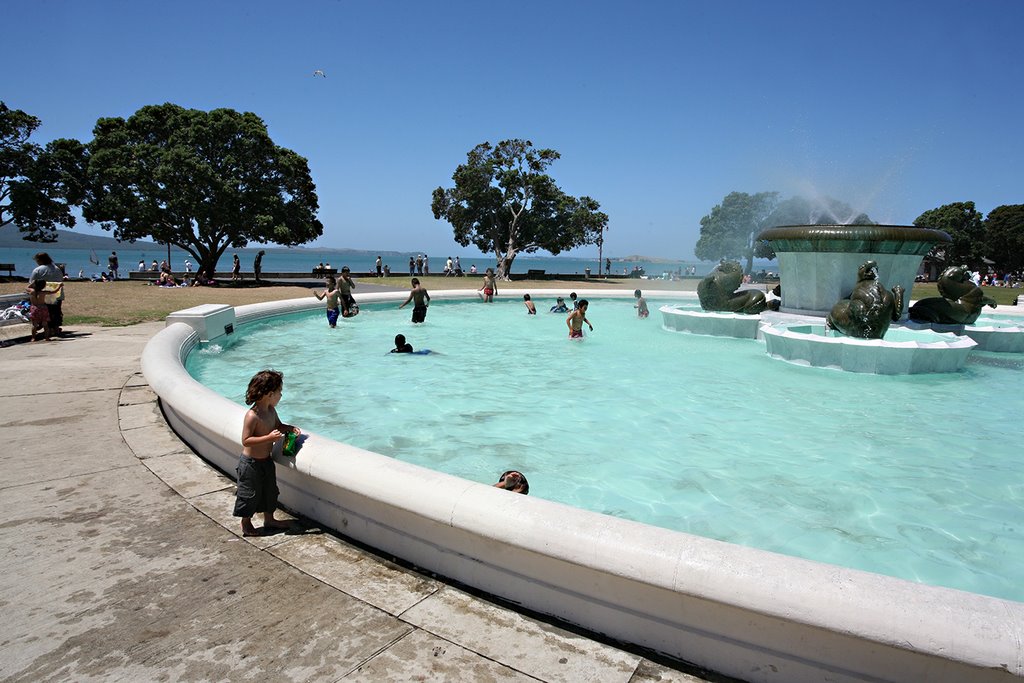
[
  {"x": 9, "y": 267},
  {"x": 533, "y": 274}
]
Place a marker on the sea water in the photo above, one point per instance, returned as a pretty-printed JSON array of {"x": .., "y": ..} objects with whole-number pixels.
[
  {"x": 91, "y": 261},
  {"x": 912, "y": 476}
]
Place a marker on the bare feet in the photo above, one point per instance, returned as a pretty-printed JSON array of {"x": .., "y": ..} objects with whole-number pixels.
[{"x": 250, "y": 530}]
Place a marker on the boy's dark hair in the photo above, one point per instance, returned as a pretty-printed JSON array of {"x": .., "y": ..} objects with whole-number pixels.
[
  {"x": 39, "y": 285},
  {"x": 636, "y": 292},
  {"x": 263, "y": 382},
  {"x": 526, "y": 297},
  {"x": 344, "y": 269},
  {"x": 572, "y": 295},
  {"x": 584, "y": 302},
  {"x": 43, "y": 258},
  {"x": 399, "y": 340},
  {"x": 331, "y": 280},
  {"x": 415, "y": 280}
]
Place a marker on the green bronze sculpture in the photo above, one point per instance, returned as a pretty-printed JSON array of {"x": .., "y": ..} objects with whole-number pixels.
[
  {"x": 960, "y": 302},
  {"x": 717, "y": 291},
  {"x": 870, "y": 308}
]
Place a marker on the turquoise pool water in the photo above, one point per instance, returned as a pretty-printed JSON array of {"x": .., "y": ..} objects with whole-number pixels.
[{"x": 911, "y": 476}]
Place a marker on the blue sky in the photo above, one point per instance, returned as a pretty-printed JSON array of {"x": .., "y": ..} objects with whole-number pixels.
[{"x": 659, "y": 109}]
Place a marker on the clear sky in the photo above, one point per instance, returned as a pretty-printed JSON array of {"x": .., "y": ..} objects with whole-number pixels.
[{"x": 659, "y": 109}]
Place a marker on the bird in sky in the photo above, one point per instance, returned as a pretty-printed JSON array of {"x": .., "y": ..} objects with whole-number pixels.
[{"x": 320, "y": 73}]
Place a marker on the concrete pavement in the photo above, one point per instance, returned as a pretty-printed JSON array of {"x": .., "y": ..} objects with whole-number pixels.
[{"x": 121, "y": 560}]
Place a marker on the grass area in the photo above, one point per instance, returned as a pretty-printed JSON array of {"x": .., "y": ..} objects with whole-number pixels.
[
  {"x": 1004, "y": 296},
  {"x": 128, "y": 302}
]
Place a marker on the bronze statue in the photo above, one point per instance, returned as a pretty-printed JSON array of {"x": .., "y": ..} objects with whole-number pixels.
[
  {"x": 870, "y": 308},
  {"x": 960, "y": 302},
  {"x": 717, "y": 291}
]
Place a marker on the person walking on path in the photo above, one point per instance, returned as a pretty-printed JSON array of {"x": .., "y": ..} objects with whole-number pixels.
[
  {"x": 257, "y": 265},
  {"x": 426, "y": 265},
  {"x": 378, "y": 264},
  {"x": 236, "y": 268},
  {"x": 112, "y": 264},
  {"x": 419, "y": 264},
  {"x": 412, "y": 266},
  {"x": 257, "y": 477},
  {"x": 420, "y": 299}
]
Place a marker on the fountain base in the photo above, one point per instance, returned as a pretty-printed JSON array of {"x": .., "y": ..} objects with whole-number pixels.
[
  {"x": 993, "y": 336},
  {"x": 902, "y": 351},
  {"x": 738, "y": 325}
]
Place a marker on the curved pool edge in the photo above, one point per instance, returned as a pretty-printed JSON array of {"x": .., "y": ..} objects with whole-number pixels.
[{"x": 743, "y": 612}]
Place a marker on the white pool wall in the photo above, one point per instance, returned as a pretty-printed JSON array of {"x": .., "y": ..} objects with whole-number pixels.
[{"x": 747, "y": 613}]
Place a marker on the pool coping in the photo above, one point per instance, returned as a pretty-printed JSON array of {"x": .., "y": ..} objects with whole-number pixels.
[{"x": 747, "y": 613}]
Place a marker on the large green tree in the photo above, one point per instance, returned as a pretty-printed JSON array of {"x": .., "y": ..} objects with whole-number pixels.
[
  {"x": 964, "y": 225},
  {"x": 202, "y": 181},
  {"x": 729, "y": 231},
  {"x": 505, "y": 203},
  {"x": 38, "y": 185},
  {"x": 1004, "y": 236}
]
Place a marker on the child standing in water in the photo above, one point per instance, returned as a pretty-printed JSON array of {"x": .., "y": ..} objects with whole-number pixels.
[
  {"x": 489, "y": 287},
  {"x": 257, "y": 477},
  {"x": 332, "y": 294},
  {"x": 531, "y": 309},
  {"x": 640, "y": 305},
  {"x": 420, "y": 299},
  {"x": 348, "y": 304},
  {"x": 577, "y": 318}
]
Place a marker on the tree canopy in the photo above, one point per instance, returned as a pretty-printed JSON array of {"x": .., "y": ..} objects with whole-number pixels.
[
  {"x": 202, "y": 181},
  {"x": 38, "y": 185},
  {"x": 504, "y": 203},
  {"x": 965, "y": 226},
  {"x": 1004, "y": 236},
  {"x": 728, "y": 232}
]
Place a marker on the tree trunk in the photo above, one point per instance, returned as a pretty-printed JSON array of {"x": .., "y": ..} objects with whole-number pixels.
[{"x": 505, "y": 263}]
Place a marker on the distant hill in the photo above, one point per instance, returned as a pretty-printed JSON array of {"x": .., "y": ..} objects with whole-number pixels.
[
  {"x": 636, "y": 258},
  {"x": 10, "y": 238}
]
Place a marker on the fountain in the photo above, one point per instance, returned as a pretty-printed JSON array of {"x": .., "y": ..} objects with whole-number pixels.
[
  {"x": 837, "y": 271},
  {"x": 818, "y": 263}
]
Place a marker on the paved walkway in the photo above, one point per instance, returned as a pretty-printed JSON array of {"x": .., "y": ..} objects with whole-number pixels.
[{"x": 121, "y": 560}]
